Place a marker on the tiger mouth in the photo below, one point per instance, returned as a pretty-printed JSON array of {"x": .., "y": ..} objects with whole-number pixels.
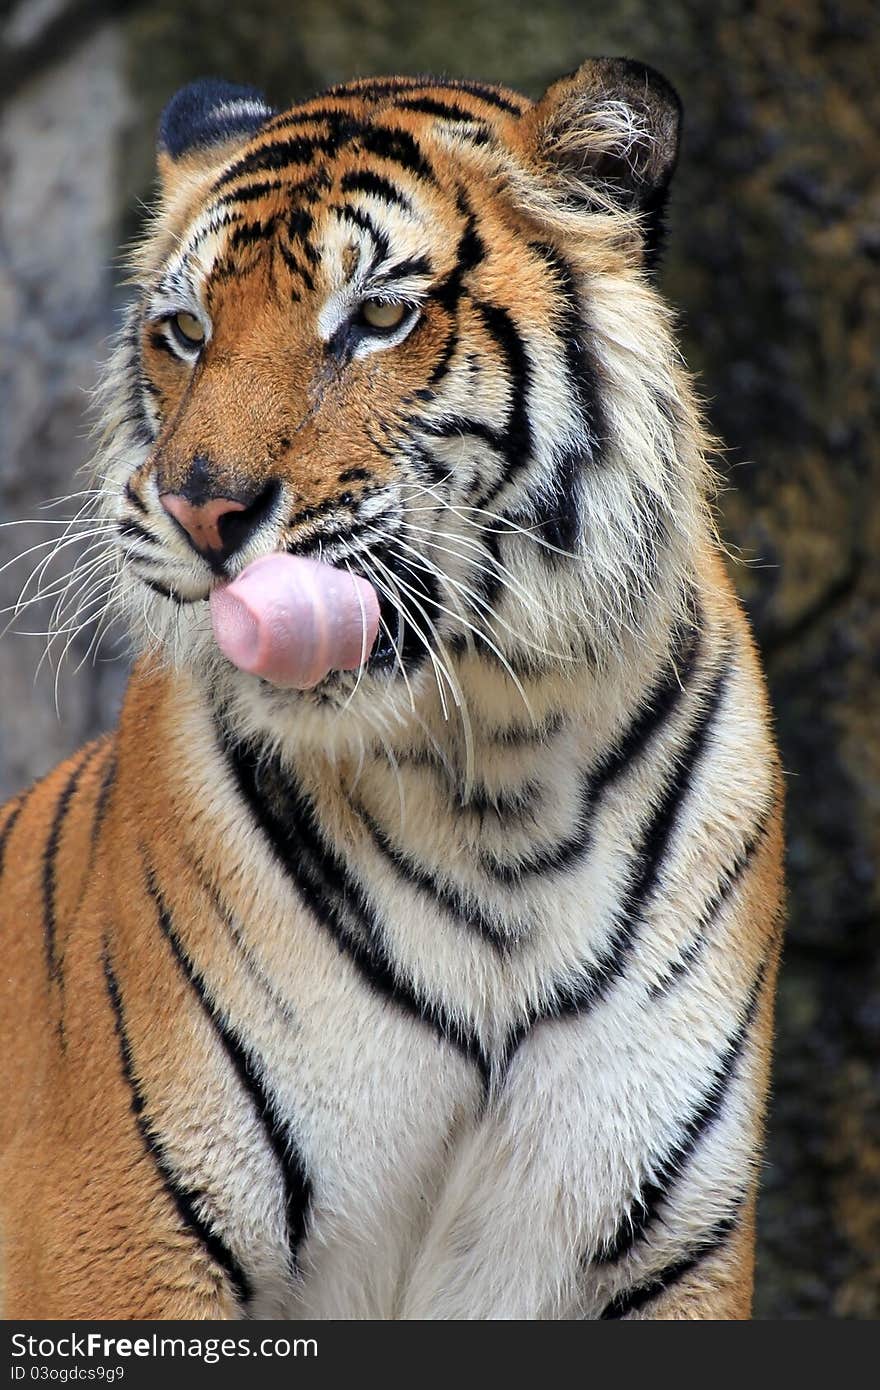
[
  {"x": 406, "y": 617},
  {"x": 401, "y": 643}
]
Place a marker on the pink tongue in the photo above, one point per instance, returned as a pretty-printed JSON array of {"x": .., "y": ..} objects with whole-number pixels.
[{"x": 293, "y": 620}]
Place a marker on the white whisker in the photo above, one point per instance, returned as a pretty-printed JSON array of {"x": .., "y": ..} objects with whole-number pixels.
[
  {"x": 439, "y": 668},
  {"x": 454, "y": 685},
  {"x": 435, "y": 603}
]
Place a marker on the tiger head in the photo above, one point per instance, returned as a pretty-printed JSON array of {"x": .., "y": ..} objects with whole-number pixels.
[{"x": 408, "y": 327}]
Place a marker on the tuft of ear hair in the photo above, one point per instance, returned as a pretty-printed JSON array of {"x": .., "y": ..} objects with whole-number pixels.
[
  {"x": 608, "y": 135},
  {"x": 210, "y": 112}
]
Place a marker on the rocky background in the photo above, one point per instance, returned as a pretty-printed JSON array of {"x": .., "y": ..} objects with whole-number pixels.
[{"x": 773, "y": 263}]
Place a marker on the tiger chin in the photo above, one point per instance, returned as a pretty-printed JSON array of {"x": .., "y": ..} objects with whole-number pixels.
[{"x": 444, "y": 989}]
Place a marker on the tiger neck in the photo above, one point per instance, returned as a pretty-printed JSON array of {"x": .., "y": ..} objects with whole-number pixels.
[
  {"x": 507, "y": 756},
  {"x": 483, "y": 777}
]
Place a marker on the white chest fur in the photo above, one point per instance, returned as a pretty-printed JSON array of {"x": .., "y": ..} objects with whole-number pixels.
[{"x": 503, "y": 1103}]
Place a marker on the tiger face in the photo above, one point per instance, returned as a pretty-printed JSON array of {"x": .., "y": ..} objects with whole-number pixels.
[{"x": 406, "y": 327}]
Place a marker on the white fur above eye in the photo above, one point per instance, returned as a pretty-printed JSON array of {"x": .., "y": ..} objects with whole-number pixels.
[{"x": 345, "y": 306}]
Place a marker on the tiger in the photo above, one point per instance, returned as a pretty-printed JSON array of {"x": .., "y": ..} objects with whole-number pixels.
[{"x": 442, "y": 989}]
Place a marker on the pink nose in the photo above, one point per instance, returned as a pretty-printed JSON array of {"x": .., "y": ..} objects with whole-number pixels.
[{"x": 201, "y": 522}]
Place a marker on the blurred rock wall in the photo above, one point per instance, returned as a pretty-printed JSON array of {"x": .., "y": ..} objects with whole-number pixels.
[{"x": 773, "y": 263}]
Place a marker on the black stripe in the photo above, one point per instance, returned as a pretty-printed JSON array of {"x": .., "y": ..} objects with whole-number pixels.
[
  {"x": 669, "y": 1170},
  {"x": 684, "y": 962},
  {"x": 166, "y": 593},
  {"x": 322, "y": 115},
  {"x": 250, "y": 192},
  {"x": 471, "y": 248},
  {"x": 558, "y": 515},
  {"x": 517, "y": 441},
  {"x": 444, "y": 361},
  {"x": 306, "y": 515},
  {"x": 445, "y": 110},
  {"x": 308, "y": 189},
  {"x": 159, "y": 342},
  {"x": 281, "y": 154},
  {"x": 50, "y": 854},
  {"x": 252, "y": 233},
  {"x": 470, "y": 251},
  {"x": 135, "y": 415},
  {"x": 655, "y": 842},
  {"x": 100, "y": 811},
  {"x": 183, "y": 1199},
  {"x": 134, "y": 499},
  {"x": 136, "y": 532},
  {"x": 398, "y": 147},
  {"x": 516, "y": 803},
  {"x": 370, "y": 88},
  {"x": 297, "y": 1186},
  {"x": 521, "y": 735},
  {"x": 461, "y": 906},
  {"x": 557, "y": 509},
  {"x": 230, "y": 923},
  {"x": 365, "y": 181},
  {"x": 654, "y": 845},
  {"x": 210, "y": 228},
  {"x": 300, "y": 223},
  {"x": 362, "y": 219},
  {"x": 104, "y": 795},
  {"x": 579, "y": 995},
  {"x": 434, "y": 470},
  {"x": 656, "y": 710},
  {"x": 659, "y": 705},
  {"x": 8, "y": 827},
  {"x": 413, "y": 265},
  {"x": 295, "y": 266},
  {"x": 392, "y": 86},
  {"x": 453, "y": 427},
  {"x": 312, "y": 187},
  {"x": 582, "y": 369},
  {"x": 489, "y": 95},
  {"x": 411, "y": 647},
  {"x": 333, "y": 895},
  {"x": 634, "y": 1299}
]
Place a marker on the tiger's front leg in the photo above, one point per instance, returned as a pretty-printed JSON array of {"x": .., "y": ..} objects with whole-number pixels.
[
  {"x": 97, "y": 1218},
  {"x": 715, "y": 1284},
  {"x": 93, "y": 1233},
  {"x": 611, "y": 1177}
]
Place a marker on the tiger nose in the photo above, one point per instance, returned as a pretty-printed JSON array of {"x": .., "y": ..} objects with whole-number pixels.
[
  {"x": 216, "y": 527},
  {"x": 201, "y": 523}
]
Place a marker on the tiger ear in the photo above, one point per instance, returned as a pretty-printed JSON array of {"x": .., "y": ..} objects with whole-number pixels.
[
  {"x": 201, "y": 126},
  {"x": 609, "y": 135}
]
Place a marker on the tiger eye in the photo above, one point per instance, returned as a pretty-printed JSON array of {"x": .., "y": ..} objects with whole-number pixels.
[
  {"x": 189, "y": 328},
  {"x": 381, "y": 313}
]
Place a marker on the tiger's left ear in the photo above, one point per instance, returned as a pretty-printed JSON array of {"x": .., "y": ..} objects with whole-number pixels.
[
  {"x": 201, "y": 126},
  {"x": 608, "y": 136}
]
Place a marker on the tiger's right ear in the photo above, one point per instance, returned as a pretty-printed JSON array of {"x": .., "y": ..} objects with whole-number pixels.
[
  {"x": 201, "y": 126},
  {"x": 606, "y": 137}
]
